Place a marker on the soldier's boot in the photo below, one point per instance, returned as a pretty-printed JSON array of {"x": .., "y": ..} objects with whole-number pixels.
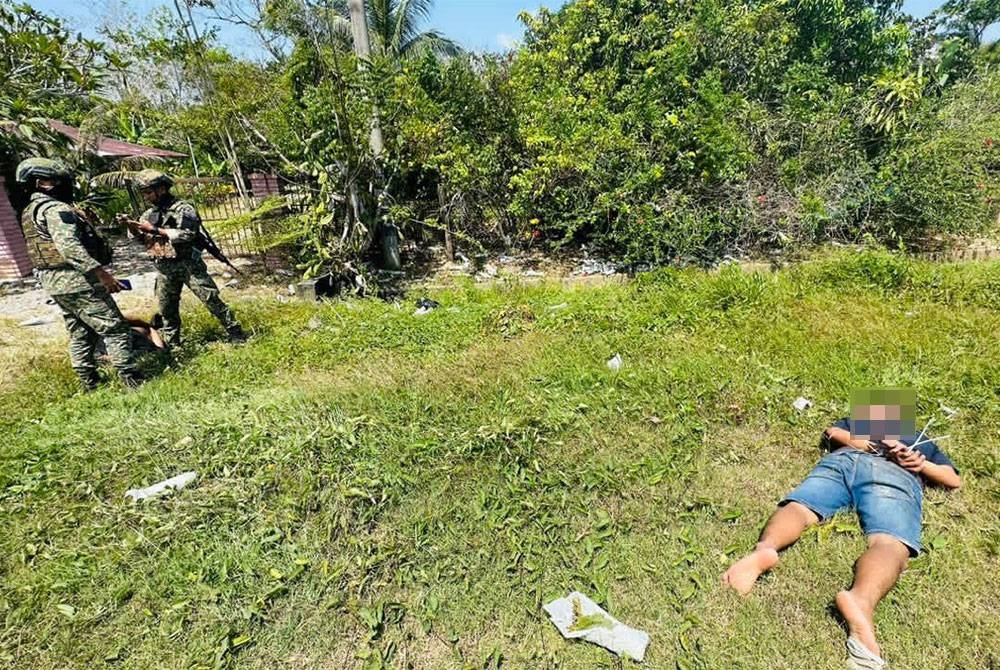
[
  {"x": 236, "y": 334},
  {"x": 89, "y": 380},
  {"x": 132, "y": 380}
]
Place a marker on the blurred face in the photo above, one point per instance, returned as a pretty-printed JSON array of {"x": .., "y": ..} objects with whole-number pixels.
[
  {"x": 152, "y": 194},
  {"x": 883, "y": 414},
  {"x": 876, "y": 422},
  {"x": 55, "y": 188}
]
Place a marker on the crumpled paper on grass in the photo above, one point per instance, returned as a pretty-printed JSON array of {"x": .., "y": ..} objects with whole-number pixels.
[
  {"x": 604, "y": 631},
  {"x": 172, "y": 484}
]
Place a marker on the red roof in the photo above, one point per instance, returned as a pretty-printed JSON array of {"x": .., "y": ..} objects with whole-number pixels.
[{"x": 107, "y": 146}]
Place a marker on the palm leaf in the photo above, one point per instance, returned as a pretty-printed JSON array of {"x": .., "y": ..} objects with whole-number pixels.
[{"x": 117, "y": 179}]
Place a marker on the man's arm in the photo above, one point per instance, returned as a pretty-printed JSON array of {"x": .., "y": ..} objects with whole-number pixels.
[
  {"x": 64, "y": 228},
  {"x": 911, "y": 460},
  {"x": 187, "y": 224},
  {"x": 917, "y": 463},
  {"x": 842, "y": 438}
]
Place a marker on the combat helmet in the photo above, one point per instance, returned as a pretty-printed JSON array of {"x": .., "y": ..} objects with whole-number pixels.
[
  {"x": 150, "y": 178},
  {"x": 42, "y": 168}
]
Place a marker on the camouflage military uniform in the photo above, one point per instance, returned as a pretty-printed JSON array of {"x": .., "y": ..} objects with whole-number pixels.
[
  {"x": 180, "y": 263},
  {"x": 57, "y": 237}
]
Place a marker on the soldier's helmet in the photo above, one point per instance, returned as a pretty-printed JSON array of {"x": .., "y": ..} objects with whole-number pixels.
[
  {"x": 149, "y": 178},
  {"x": 42, "y": 168}
]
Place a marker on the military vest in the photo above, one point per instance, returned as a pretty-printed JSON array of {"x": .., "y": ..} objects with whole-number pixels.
[
  {"x": 42, "y": 250},
  {"x": 168, "y": 217}
]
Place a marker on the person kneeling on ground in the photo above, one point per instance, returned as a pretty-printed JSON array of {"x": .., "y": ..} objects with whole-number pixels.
[
  {"x": 881, "y": 479},
  {"x": 145, "y": 336}
]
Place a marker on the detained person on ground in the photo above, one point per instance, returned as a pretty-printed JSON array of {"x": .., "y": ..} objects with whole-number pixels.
[{"x": 877, "y": 467}]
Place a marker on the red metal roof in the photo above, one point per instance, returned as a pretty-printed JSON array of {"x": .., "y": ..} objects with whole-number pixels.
[{"x": 107, "y": 146}]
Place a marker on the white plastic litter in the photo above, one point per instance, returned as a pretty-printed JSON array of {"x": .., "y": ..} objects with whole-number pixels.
[
  {"x": 571, "y": 615},
  {"x": 615, "y": 363},
  {"x": 802, "y": 404},
  {"x": 174, "y": 483},
  {"x": 950, "y": 412},
  {"x": 37, "y": 321},
  {"x": 560, "y": 306},
  {"x": 423, "y": 310}
]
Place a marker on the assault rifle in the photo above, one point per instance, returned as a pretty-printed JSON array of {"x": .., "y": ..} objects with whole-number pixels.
[{"x": 203, "y": 240}]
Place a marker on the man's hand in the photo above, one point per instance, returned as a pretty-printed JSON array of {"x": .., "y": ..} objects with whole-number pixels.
[
  {"x": 147, "y": 227},
  {"x": 906, "y": 458},
  {"x": 108, "y": 280}
]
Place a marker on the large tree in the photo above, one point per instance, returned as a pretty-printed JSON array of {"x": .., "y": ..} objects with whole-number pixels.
[
  {"x": 395, "y": 28},
  {"x": 969, "y": 18},
  {"x": 394, "y": 25}
]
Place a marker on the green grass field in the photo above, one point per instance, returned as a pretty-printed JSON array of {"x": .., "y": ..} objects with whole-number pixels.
[{"x": 383, "y": 490}]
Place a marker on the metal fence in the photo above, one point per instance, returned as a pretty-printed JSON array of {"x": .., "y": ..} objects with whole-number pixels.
[{"x": 219, "y": 201}]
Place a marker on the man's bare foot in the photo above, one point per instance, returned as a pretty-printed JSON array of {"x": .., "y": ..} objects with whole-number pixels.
[
  {"x": 859, "y": 623},
  {"x": 743, "y": 574}
]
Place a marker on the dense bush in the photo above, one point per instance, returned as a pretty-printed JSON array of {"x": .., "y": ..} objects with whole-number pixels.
[{"x": 666, "y": 130}]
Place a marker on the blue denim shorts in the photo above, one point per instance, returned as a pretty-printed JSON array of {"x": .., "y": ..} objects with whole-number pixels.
[{"x": 887, "y": 498}]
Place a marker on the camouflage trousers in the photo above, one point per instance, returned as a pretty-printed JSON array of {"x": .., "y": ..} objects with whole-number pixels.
[
  {"x": 173, "y": 275},
  {"x": 90, "y": 317}
]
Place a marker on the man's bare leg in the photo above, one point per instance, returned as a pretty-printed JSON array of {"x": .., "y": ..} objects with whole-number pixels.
[
  {"x": 784, "y": 527},
  {"x": 875, "y": 573}
]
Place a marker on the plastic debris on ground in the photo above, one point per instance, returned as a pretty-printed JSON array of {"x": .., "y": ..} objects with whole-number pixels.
[
  {"x": 615, "y": 363},
  {"x": 426, "y": 305},
  {"x": 949, "y": 412},
  {"x": 37, "y": 321},
  {"x": 172, "y": 484},
  {"x": 802, "y": 404},
  {"x": 579, "y": 617},
  {"x": 590, "y": 266},
  {"x": 560, "y": 306}
]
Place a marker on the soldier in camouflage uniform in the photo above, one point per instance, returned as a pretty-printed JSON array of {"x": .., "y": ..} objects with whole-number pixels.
[
  {"x": 69, "y": 256},
  {"x": 171, "y": 230}
]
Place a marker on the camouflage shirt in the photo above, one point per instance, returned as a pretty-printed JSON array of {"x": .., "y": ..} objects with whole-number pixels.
[
  {"x": 60, "y": 224},
  {"x": 179, "y": 221}
]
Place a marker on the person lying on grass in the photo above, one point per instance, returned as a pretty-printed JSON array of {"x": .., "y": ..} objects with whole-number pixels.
[{"x": 880, "y": 476}]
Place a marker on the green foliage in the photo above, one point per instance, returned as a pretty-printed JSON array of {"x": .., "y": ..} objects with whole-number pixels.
[
  {"x": 969, "y": 19},
  {"x": 666, "y": 130},
  {"x": 45, "y": 72},
  {"x": 656, "y": 131},
  {"x": 943, "y": 172}
]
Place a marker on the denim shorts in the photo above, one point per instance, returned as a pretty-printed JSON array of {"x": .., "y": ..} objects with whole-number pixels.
[{"x": 886, "y": 497}]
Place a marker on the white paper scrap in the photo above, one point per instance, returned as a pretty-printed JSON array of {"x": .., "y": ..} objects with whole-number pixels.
[
  {"x": 615, "y": 364},
  {"x": 578, "y": 617},
  {"x": 176, "y": 483},
  {"x": 802, "y": 404}
]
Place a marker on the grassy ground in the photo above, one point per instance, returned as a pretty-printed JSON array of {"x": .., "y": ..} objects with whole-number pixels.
[{"x": 383, "y": 490}]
